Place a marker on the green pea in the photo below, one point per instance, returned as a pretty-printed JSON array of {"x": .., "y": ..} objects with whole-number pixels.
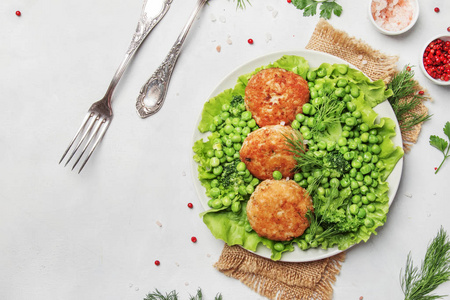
[
  {"x": 217, "y": 170},
  {"x": 342, "y": 141},
  {"x": 364, "y": 200},
  {"x": 356, "y": 164},
  {"x": 368, "y": 180},
  {"x": 242, "y": 123},
  {"x": 347, "y": 98},
  {"x": 321, "y": 191},
  {"x": 342, "y": 69},
  {"x": 242, "y": 190},
  {"x": 371, "y": 208},
  {"x": 359, "y": 176},
  {"x": 277, "y": 175},
  {"x": 364, "y": 127},
  {"x": 354, "y": 209},
  {"x": 345, "y": 182},
  {"x": 303, "y": 183},
  {"x": 251, "y": 123},
  {"x": 311, "y": 122},
  {"x": 375, "y": 174},
  {"x": 311, "y": 75},
  {"x": 307, "y": 108},
  {"x": 351, "y": 106},
  {"x": 298, "y": 177},
  {"x": 217, "y": 203},
  {"x": 254, "y": 182},
  {"x": 307, "y": 135},
  {"x": 214, "y": 184},
  {"x": 303, "y": 245},
  {"x": 357, "y": 114},
  {"x": 241, "y": 167},
  {"x": 313, "y": 93},
  {"x": 300, "y": 117},
  {"x": 217, "y": 120},
  {"x": 249, "y": 189},
  {"x": 352, "y": 172},
  {"x": 295, "y": 124},
  {"x": 342, "y": 82},
  {"x": 373, "y": 139},
  {"x": 245, "y": 131},
  {"x": 226, "y": 201},
  {"x": 354, "y": 185},
  {"x": 354, "y": 91},
  {"x": 278, "y": 247},
  {"x": 214, "y": 162},
  {"x": 350, "y": 121},
  {"x": 375, "y": 149},
  {"x": 246, "y": 116},
  {"x": 308, "y": 238},
  {"x": 340, "y": 92},
  {"x": 367, "y": 157},
  {"x": 356, "y": 198},
  {"x": 349, "y": 155},
  {"x": 361, "y": 213},
  {"x": 237, "y": 146},
  {"x": 310, "y": 179},
  {"x": 365, "y": 169},
  {"x": 321, "y": 72},
  {"x": 316, "y": 102},
  {"x": 373, "y": 132},
  {"x": 369, "y": 223},
  {"x": 364, "y": 189},
  {"x": 334, "y": 182},
  {"x": 236, "y": 207},
  {"x": 331, "y": 145}
]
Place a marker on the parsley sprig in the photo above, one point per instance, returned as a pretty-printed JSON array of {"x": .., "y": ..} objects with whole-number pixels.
[
  {"x": 326, "y": 7},
  {"x": 418, "y": 283},
  {"x": 441, "y": 144}
]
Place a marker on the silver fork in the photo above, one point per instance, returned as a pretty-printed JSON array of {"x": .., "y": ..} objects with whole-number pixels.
[{"x": 99, "y": 115}]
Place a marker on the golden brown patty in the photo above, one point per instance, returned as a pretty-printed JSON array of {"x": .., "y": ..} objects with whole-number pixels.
[
  {"x": 275, "y": 95},
  {"x": 265, "y": 151},
  {"x": 277, "y": 209}
]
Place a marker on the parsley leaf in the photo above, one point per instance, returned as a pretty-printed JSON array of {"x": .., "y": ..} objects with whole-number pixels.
[
  {"x": 438, "y": 143},
  {"x": 441, "y": 144},
  {"x": 327, "y": 8}
]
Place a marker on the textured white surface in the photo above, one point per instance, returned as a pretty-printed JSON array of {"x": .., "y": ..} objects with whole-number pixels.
[{"x": 96, "y": 235}]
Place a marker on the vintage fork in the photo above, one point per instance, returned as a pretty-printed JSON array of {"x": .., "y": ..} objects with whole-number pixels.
[{"x": 99, "y": 115}]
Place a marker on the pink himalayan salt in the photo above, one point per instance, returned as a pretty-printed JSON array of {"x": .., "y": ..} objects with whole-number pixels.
[{"x": 392, "y": 15}]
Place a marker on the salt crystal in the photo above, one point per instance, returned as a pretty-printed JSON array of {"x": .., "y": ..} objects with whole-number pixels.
[
  {"x": 268, "y": 37},
  {"x": 136, "y": 289},
  {"x": 360, "y": 57},
  {"x": 158, "y": 223},
  {"x": 275, "y": 13},
  {"x": 213, "y": 18},
  {"x": 222, "y": 19},
  {"x": 364, "y": 62},
  {"x": 282, "y": 123},
  {"x": 186, "y": 283},
  {"x": 408, "y": 195},
  {"x": 229, "y": 41},
  {"x": 392, "y": 15},
  {"x": 269, "y": 8}
]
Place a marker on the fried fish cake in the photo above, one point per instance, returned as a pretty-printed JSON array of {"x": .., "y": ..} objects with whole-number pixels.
[
  {"x": 266, "y": 150},
  {"x": 275, "y": 95},
  {"x": 277, "y": 210}
]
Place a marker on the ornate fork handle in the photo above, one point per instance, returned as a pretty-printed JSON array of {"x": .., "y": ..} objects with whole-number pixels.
[
  {"x": 145, "y": 25},
  {"x": 153, "y": 92}
]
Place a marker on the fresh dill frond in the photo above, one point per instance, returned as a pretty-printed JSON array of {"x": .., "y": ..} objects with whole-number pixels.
[
  {"x": 157, "y": 295},
  {"x": 328, "y": 113},
  {"x": 304, "y": 159},
  {"x": 405, "y": 99},
  {"x": 417, "y": 284},
  {"x": 241, "y": 3}
]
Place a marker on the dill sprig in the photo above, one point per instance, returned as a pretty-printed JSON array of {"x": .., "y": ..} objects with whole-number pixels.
[
  {"x": 157, "y": 295},
  {"x": 328, "y": 113},
  {"x": 305, "y": 160},
  {"x": 241, "y": 3},
  {"x": 417, "y": 284},
  {"x": 405, "y": 99}
]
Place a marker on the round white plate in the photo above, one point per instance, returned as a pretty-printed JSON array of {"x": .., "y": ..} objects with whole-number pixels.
[{"x": 315, "y": 59}]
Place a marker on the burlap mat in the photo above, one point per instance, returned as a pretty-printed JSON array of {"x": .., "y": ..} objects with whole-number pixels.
[{"x": 313, "y": 280}]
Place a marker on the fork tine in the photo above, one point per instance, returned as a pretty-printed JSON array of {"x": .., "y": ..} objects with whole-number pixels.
[
  {"x": 102, "y": 133},
  {"x": 98, "y": 122},
  {"x": 86, "y": 118},
  {"x": 86, "y": 132}
]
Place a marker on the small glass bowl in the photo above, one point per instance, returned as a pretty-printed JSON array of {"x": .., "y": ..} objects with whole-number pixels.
[
  {"x": 422, "y": 67},
  {"x": 415, "y": 3}
]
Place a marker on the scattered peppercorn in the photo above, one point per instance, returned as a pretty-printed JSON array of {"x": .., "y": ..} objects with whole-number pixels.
[
  {"x": 436, "y": 9},
  {"x": 250, "y": 41},
  {"x": 289, "y": 1},
  {"x": 448, "y": 29},
  {"x": 421, "y": 92},
  {"x": 194, "y": 239},
  {"x": 190, "y": 205},
  {"x": 157, "y": 262},
  {"x": 18, "y": 13}
]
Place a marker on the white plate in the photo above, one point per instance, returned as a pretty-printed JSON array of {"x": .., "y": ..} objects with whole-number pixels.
[{"x": 315, "y": 59}]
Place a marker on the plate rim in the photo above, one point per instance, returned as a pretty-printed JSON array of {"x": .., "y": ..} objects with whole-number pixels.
[{"x": 262, "y": 250}]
